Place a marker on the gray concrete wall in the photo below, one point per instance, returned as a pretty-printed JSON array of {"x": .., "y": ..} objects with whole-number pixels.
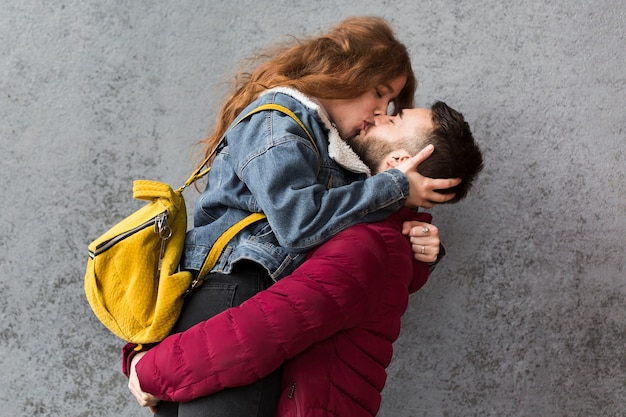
[{"x": 526, "y": 317}]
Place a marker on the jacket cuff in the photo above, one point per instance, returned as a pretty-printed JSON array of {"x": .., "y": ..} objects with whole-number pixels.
[
  {"x": 128, "y": 353},
  {"x": 401, "y": 181}
]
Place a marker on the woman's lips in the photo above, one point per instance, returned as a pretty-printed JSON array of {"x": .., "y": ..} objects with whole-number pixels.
[{"x": 366, "y": 126}]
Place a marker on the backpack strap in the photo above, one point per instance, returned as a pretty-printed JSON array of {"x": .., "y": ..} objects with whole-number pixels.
[
  {"x": 202, "y": 170},
  {"x": 222, "y": 241},
  {"x": 218, "y": 248}
]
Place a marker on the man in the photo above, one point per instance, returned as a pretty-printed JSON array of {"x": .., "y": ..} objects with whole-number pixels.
[{"x": 333, "y": 321}]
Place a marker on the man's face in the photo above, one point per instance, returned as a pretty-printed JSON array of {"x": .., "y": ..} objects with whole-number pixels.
[
  {"x": 405, "y": 124},
  {"x": 388, "y": 133}
]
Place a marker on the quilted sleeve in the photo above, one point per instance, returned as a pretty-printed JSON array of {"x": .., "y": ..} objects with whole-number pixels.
[{"x": 330, "y": 292}]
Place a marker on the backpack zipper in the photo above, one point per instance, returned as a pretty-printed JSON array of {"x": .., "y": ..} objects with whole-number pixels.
[{"x": 158, "y": 221}]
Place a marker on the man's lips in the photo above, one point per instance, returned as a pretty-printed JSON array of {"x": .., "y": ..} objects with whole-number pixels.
[{"x": 366, "y": 126}]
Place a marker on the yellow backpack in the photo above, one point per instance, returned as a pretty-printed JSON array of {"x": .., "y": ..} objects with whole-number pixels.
[{"x": 133, "y": 282}]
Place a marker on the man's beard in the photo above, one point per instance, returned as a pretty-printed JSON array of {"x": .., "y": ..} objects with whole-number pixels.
[{"x": 371, "y": 149}]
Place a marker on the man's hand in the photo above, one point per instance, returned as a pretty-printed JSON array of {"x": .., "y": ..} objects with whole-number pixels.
[
  {"x": 422, "y": 189},
  {"x": 424, "y": 239},
  {"x": 143, "y": 398}
]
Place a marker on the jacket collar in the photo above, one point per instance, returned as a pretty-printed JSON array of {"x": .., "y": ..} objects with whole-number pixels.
[{"x": 338, "y": 149}]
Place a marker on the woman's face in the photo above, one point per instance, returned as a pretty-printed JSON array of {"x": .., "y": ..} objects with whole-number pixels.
[{"x": 350, "y": 116}]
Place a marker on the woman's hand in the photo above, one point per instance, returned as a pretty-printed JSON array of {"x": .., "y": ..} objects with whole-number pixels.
[
  {"x": 422, "y": 189},
  {"x": 424, "y": 239},
  {"x": 143, "y": 398}
]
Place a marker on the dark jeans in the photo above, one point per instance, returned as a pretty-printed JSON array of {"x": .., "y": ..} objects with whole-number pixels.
[{"x": 218, "y": 293}]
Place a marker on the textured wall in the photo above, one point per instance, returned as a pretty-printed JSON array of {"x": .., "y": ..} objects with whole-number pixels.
[{"x": 525, "y": 318}]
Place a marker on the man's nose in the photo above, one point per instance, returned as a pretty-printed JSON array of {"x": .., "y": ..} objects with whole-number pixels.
[{"x": 381, "y": 119}]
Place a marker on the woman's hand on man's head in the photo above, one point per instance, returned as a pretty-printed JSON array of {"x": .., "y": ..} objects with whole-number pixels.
[{"x": 422, "y": 190}]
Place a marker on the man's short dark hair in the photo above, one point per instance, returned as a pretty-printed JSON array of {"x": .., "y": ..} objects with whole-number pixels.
[{"x": 456, "y": 154}]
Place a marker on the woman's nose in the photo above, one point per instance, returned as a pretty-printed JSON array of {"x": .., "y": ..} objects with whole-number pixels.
[{"x": 381, "y": 109}]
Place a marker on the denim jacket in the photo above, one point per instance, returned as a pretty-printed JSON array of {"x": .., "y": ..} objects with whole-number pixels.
[{"x": 268, "y": 164}]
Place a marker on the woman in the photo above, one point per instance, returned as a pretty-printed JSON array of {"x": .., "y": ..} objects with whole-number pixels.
[{"x": 335, "y": 84}]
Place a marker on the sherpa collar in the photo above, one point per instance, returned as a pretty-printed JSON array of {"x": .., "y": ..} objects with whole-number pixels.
[{"x": 338, "y": 149}]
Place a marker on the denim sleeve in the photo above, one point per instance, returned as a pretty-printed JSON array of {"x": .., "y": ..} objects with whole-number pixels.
[{"x": 285, "y": 180}]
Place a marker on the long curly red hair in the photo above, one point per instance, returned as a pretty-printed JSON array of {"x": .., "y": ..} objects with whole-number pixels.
[{"x": 358, "y": 54}]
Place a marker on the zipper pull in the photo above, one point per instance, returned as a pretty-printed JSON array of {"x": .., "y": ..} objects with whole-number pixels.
[
  {"x": 165, "y": 232},
  {"x": 194, "y": 284},
  {"x": 292, "y": 391}
]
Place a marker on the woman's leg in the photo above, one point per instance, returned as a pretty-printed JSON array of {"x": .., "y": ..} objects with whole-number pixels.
[{"x": 218, "y": 293}]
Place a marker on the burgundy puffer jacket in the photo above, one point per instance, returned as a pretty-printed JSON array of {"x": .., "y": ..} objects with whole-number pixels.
[{"x": 337, "y": 316}]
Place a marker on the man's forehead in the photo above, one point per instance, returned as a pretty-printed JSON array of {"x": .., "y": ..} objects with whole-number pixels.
[{"x": 419, "y": 117}]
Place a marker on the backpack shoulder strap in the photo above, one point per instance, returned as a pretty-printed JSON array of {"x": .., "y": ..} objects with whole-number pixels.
[{"x": 202, "y": 170}]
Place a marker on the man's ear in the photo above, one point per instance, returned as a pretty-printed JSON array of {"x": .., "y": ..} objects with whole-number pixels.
[
  {"x": 390, "y": 163},
  {"x": 395, "y": 158}
]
